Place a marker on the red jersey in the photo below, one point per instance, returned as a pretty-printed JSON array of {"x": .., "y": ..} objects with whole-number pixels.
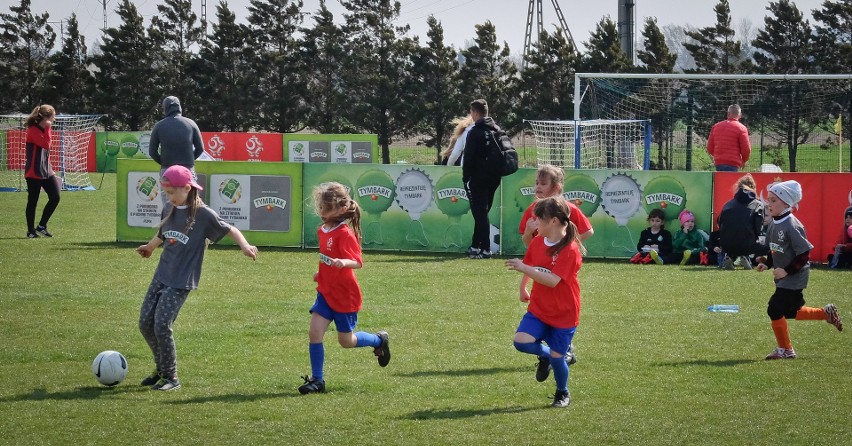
[
  {"x": 558, "y": 306},
  {"x": 577, "y": 217},
  {"x": 38, "y": 153},
  {"x": 338, "y": 285}
]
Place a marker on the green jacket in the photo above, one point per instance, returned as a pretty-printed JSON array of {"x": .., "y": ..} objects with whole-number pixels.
[{"x": 687, "y": 240}]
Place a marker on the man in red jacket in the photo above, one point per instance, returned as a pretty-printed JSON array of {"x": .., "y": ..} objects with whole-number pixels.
[{"x": 728, "y": 143}]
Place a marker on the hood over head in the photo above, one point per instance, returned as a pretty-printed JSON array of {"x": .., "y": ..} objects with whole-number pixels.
[{"x": 171, "y": 106}]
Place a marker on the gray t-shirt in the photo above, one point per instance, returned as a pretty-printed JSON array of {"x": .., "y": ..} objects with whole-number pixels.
[
  {"x": 183, "y": 251},
  {"x": 787, "y": 239}
]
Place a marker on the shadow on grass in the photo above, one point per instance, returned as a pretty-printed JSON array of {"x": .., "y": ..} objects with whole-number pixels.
[
  {"x": 454, "y": 414},
  {"x": 234, "y": 398},
  {"x": 102, "y": 245},
  {"x": 80, "y": 393},
  {"x": 705, "y": 362},
  {"x": 468, "y": 372}
]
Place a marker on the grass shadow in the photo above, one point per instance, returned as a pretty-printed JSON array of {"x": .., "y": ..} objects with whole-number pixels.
[
  {"x": 705, "y": 362},
  {"x": 101, "y": 245},
  {"x": 454, "y": 414},
  {"x": 80, "y": 393},
  {"x": 467, "y": 372},
  {"x": 234, "y": 398}
]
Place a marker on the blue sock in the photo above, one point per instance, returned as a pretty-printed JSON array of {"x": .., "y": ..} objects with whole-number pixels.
[
  {"x": 533, "y": 348},
  {"x": 317, "y": 353},
  {"x": 560, "y": 373},
  {"x": 367, "y": 339}
]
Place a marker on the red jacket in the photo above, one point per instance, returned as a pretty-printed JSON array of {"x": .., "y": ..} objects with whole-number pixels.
[
  {"x": 728, "y": 143},
  {"x": 38, "y": 153}
]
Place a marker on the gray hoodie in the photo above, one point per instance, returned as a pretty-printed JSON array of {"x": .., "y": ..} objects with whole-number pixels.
[{"x": 179, "y": 137}]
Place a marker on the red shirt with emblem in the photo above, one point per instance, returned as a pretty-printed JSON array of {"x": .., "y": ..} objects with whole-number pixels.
[
  {"x": 558, "y": 306},
  {"x": 577, "y": 217},
  {"x": 338, "y": 285}
]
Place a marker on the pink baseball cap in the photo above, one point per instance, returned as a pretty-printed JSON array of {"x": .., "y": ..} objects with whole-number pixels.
[{"x": 179, "y": 176}]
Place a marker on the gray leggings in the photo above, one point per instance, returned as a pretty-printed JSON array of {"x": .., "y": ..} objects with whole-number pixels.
[{"x": 159, "y": 311}]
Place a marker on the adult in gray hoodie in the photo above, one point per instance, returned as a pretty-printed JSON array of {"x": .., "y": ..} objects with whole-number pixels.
[{"x": 175, "y": 140}]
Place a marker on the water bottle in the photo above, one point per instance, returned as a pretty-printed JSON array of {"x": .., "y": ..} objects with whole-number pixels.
[{"x": 718, "y": 308}]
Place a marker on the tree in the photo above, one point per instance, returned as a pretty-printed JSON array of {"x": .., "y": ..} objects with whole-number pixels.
[
  {"x": 378, "y": 70},
  {"x": 26, "y": 43},
  {"x": 437, "y": 73},
  {"x": 656, "y": 55},
  {"x": 124, "y": 74},
  {"x": 603, "y": 50},
  {"x": 220, "y": 75},
  {"x": 833, "y": 36},
  {"x": 273, "y": 25},
  {"x": 547, "y": 84},
  {"x": 323, "y": 54},
  {"x": 172, "y": 33},
  {"x": 658, "y": 59},
  {"x": 70, "y": 81},
  {"x": 715, "y": 49}
]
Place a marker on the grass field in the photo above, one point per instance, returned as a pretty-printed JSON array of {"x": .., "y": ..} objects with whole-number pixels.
[{"x": 654, "y": 366}]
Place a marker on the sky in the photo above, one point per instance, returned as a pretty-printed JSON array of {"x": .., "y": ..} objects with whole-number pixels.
[{"x": 458, "y": 17}]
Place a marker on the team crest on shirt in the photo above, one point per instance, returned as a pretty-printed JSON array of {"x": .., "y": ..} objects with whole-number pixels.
[
  {"x": 329, "y": 243},
  {"x": 325, "y": 259},
  {"x": 542, "y": 269},
  {"x": 176, "y": 236},
  {"x": 781, "y": 236}
]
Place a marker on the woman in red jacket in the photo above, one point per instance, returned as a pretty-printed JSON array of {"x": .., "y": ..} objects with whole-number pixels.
[{"x": 37, "y": 172}]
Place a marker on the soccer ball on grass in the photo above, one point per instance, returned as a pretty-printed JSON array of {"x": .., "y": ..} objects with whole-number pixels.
[{"x": 109, "y": 367}]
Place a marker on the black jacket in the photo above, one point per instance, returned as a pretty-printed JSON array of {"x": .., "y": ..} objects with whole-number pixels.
[
  {"x": 473, "y": 167},
  {"x": 739, "y": 224}
]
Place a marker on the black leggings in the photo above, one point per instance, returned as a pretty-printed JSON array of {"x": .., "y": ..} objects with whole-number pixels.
[{"x": 34, "y": 187}]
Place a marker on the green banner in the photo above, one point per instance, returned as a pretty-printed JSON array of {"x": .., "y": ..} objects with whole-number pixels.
[
  {"x": 112, "y": 146},
  {"x": 331, "y": 148}
]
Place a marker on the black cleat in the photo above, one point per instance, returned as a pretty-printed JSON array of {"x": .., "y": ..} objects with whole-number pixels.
[
  {"x": 543, "y": 370},
  {"x": 151, "y": 379},
  {"x": 561, "y": 399},
  {"x": 43, "y": 231},
  {"x": 382, "y": 352},
  {"x": 312, "y": 385}
]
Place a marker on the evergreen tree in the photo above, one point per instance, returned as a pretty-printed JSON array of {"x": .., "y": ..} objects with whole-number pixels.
[
  {"x": 378, "y": 71},
  {"x": 70, "y": 81},
  {"x": 124, "y": 76},
  {"x": 716, "y": 50},
  {"x": 323, "y": 54},
  {"x": 603, "y": 50},
  {"x": 279, "y": 91},
  {"x": 173, "y": 31},
  {"x": 437, "y": 72},
  {"x": 656, "y": 55},
  {"x": 833, "y": 36},
  {"x": 658, "y": 59},
  {"x": 219, "y": 73},
  {"x": 547, "y": 84},
  {"x": 25, "y": 44}
]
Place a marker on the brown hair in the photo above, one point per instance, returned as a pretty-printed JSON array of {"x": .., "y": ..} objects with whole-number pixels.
[
  {"x": 746, "y": 182},
  {"x": 657, "y": 213},
  {"x": 461, "y": 123},
  {"x": 193, "y": 203},
  {"x": 480, "y": 106},
  {"x": 552, "y": 173},
  {"x": 39, "y": 113},
  {"x": 334, "y": 197},
  {"x": 557, "y": 207}
]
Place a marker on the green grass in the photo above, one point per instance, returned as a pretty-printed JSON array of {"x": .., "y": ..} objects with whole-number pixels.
[{"x": 654, "y": 366}]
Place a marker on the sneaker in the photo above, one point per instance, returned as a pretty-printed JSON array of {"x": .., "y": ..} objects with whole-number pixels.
[
  {"x": 382, "y": 352},
  {"x": 686, "y": 255},
  {"x": 151, "y": 379},
  {"x": 473, "y": 253},
  {"x": 728, "y": 263},
  {"x": 781, "y": 353},
  {"x": 636, "y": 257},
  {"x": 32, "y": 234},
  {"x": 543, "y": 369},
  {"x": 745, "y": 262},
  {"x": 570, "y": 356},
  {"x": 43, "y": 231},
  {"x": 561, "y": 399},
  {"x": 485, "y": 254},
  {"x": 312, "y": 385},
  {"x": 833, "y": 317},
  {"x": 166, "y": 384},
  {"x": 703, "y": 258},
  {"x": 656, "y": 257}
]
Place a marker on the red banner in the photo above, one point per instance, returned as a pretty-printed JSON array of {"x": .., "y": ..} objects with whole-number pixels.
[{"x": 238, "y": 146}]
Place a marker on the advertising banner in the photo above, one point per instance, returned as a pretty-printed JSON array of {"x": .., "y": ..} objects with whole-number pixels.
[
  {"x": 404, "y": 207},
  {"x": 239, "y": 146},
  {"x": 112, "y": 146},
  {"x": 335, "y": 149}
]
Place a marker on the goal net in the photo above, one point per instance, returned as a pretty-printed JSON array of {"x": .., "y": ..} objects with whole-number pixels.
[
  {"x": 68, "y": 151},
  {"x": 593, "y": 144},
  {"x": 791, "y": 118}
]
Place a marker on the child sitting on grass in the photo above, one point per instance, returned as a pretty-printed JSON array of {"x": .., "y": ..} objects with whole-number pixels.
[{"x": 655, "y": 242}]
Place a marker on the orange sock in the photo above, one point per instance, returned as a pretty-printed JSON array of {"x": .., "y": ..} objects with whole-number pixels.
[
  {"x": 810, "y": 314},
  {"x": 782, "y": 335}
]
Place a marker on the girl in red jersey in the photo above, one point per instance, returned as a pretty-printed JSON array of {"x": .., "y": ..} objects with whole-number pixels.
[
  {"x": 37, "y": 171},
  {"x": 552, "y": 261},
  {"x": 338, "y": 293},
  {"x": 548, "y": 183}
]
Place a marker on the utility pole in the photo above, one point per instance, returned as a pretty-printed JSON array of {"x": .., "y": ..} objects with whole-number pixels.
[{"x": 627, "y": 27}]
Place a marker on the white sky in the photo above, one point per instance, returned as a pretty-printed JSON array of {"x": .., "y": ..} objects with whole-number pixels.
[{"x": 458, "y": 17}]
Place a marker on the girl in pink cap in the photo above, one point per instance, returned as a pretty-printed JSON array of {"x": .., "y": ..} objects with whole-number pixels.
[{"x": 688, "y": 243}]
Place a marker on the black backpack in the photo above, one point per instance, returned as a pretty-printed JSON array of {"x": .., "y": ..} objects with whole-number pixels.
[{"x": 500, "y": 155}]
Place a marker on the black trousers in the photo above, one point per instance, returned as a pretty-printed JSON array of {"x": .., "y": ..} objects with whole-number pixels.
[
  {"x": 480, "y": 194},
  {"x": 34, "y": 187}
]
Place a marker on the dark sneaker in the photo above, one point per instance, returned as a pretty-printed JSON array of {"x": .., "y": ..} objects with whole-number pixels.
[
  {"x": 382, "y": 352},
  {"x": 485, "y": 254},
  {"x": 43, "y": 231},
  {"x": 570, "y": 357},
  {"x": 32, "y": 234},
  {"x": 151, "y": 379},
  {"x": 561, "y": 399},
  {"x": 312, "y": 385},
  {"x": 728, "y": 263},
  {"x": 167, "y": 384},
  {"x": 833, "y": 317},
  {"x": 543, "y": 369}
]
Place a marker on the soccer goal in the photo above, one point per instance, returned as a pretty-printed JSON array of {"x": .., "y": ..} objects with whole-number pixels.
[
  {"x": 68, "y": 154},
  {"x": 594, "y": 144},
  {"x": 790, "y": 117}
]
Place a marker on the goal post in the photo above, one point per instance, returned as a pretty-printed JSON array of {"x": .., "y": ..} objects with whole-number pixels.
[
  {"x": 594, "y": 144},
  {"x": 71, "y": 135},
  {"x": 787, "y": 115}
]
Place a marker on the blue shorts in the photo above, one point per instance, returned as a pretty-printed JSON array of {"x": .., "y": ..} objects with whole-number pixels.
[
  {"x": 345, "y": 322},
  {"x": 558, "y": 339}
]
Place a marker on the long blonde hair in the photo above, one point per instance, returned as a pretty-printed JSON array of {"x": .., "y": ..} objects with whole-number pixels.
[
  {"x": 334, "y": 197},
  {"x": 193, "y": 203},
  {"x": 460, "y": 123},
  {"x": 39, "y": 113}
]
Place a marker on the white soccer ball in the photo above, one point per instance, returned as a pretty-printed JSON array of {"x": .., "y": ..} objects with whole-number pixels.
[{"x": 109, "y": 368}]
